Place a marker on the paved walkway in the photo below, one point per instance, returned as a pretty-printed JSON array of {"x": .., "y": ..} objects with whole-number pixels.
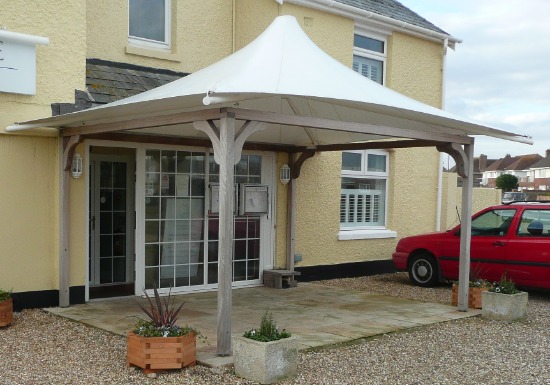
[{"x": 318, "y": 315}]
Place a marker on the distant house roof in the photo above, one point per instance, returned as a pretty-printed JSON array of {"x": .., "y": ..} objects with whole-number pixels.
[
  {"x": 393, "y": 9},
  {"x": 520, "y": 162},
  {"x": 543, "y": 163}
]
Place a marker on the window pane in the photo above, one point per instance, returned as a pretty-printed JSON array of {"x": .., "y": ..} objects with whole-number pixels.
[
  {"x": 147, "y": 19},
  {"x": 368, "y": 43},
  {"x": 351, "y": 161},
  {"x": 362, "y": 202},
  {"x": 535, "y": 223},
  {"x": 369, "y": 68},
  {"x": 376, "y": 163},
  {"x": 493, "y": 223}
]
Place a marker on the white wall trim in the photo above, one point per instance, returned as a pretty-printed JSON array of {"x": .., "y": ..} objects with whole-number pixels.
[{"x": 348, "y": 235}]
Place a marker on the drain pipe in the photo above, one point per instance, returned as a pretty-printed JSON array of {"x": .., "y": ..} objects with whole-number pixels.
[{"x": 441, "y": 160}]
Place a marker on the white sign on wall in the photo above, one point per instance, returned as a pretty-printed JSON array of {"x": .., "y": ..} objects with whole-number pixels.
[{"x": 18, "y": 62}]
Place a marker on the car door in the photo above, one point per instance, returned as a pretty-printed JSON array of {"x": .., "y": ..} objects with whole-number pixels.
[
  {"x": 490, "y": 234},
  {"x": 528, "y": 249}
]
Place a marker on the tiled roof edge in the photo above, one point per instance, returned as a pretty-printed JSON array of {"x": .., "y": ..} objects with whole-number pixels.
[{"x": 135, "y": 67}]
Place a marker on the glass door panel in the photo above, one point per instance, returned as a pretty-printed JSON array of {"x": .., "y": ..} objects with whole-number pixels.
[
  {"x": 111, "y": 220},
  {"x": 174, "y": 218}
]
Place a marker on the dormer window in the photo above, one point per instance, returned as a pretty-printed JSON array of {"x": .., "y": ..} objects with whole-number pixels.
[{"x": 149, "y": 23}]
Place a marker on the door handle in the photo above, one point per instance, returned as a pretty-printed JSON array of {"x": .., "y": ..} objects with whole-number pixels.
[
  {"x": 499, "y": 243},
  {"x": 92, "y": 222}
]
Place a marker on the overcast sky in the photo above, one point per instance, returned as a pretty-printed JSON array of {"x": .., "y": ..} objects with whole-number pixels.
[{"x": 500, "y": 74}]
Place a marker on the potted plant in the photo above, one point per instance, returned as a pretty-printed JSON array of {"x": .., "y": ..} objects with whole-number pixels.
[
  {"x": 158, "y": 343},
  {"x": 475, "y": 288},
  {"x": 265, "y": 355},
  {"x": 6, "y": 308},
  {"x": 503, "y": 301}
]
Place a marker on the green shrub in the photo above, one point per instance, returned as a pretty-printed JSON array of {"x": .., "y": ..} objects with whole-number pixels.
[{"x": 268, "y": 330}]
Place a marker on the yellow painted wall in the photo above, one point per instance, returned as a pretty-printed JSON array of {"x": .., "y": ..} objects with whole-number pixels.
[
  {"x": 29, "y": 213},
  {"x": 202, "y": 35},
  {"x": 414, "y": 69},
  {"x": 30, "y": 161},
  {"x": 332, "y": 33},
  {"x": 58, "y": 65}
]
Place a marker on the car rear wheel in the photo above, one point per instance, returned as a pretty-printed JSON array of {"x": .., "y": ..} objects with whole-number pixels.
[{"x": 423, "y": 270}]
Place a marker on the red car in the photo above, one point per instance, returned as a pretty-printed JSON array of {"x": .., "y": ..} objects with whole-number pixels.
[{"x": 512, "y": 238}]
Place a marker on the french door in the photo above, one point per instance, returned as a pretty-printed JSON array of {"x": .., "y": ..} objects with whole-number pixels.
[
  {"x": 111, "y": 223},
  {"x": 180, "y": 229}
]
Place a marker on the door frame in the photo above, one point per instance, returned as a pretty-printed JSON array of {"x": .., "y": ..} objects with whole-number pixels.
[
  {"x": 268, "y": 225},
  {"x": 131, "y": 267}
]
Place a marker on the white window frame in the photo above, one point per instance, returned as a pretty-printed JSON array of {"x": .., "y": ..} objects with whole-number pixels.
[
  {"x": 148, "y": 43},
  {"x": 380, "y": 56},
  {"x": 366, "y": 231}
]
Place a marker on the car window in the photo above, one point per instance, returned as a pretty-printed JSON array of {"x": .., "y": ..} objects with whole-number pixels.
[
  {"x": 534, "y": 223},
  {"x": 493, "y": 223}
]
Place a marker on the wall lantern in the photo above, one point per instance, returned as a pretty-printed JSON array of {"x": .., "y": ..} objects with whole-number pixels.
[
  {"x": 284, "y": 174},
  {"x": 76, "y": 168}
]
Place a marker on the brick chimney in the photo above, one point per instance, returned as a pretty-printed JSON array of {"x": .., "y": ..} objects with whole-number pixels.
[
  {"x": 483, "y": 161},
  {"x": 548, "y": 153}
]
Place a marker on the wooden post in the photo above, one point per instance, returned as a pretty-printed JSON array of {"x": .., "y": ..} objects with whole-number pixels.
[
  {"x": 226, "y": 158},
  {"x": 466, "y": 228},
  {"x": 290, "y": 217}
]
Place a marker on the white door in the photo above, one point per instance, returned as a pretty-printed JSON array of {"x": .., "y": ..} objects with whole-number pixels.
[{"x": 180, "y": 235}]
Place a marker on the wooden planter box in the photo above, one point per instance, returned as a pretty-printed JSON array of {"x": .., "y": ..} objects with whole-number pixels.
[
  {"x": 474, "y": 296},
  {"x": 154, "y": 354},
  {"x": 6, "y": 312},
  {"x": 265, "y": 362}
]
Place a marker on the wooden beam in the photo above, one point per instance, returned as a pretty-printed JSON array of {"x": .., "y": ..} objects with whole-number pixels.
[
  {"x": 335, "y": 125},
  {"x": 144, "y": 122},
  {"x": 386, "y": 144},
  {"x": 192, "y": 142}
]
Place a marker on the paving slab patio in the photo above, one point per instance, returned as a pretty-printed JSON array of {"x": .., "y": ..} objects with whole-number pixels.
[{"x": 318, "y": 315}]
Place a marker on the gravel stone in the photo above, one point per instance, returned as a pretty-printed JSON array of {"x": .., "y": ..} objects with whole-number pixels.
[{"x": 41, "y": 348}]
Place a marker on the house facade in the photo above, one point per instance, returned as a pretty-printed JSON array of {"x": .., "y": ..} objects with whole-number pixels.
[
  {"x": 518, "y": 166},
  {"x": 143, "y": 209},
  {"x": 539, "y": 174}
]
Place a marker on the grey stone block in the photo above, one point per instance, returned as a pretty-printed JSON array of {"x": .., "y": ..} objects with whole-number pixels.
[{"x": 504, "y": 307}]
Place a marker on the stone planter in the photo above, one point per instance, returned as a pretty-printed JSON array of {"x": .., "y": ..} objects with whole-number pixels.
[
  {"x": 504, "y": 307},
  {"x": 6, "y": 312},
  {"x": 474, "y": 296},
  {"x": 265, "y": 362},
  {"x": 154, "y": 354}
]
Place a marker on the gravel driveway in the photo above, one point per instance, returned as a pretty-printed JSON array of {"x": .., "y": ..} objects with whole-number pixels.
[{"x": 40, "y": 348}]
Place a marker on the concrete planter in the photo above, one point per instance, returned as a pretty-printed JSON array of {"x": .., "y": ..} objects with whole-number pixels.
[
  {"x": 265, "y": 362},
  {"x": 504, "y": 307}
]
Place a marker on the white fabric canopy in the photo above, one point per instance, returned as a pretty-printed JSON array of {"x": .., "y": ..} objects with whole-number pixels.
[{"x": 282, "y": 71}]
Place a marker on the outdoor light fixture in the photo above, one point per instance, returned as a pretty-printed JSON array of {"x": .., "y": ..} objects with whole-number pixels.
[
  {"x": 76, "y": 167},
  {"x": 284, "y": 174}
]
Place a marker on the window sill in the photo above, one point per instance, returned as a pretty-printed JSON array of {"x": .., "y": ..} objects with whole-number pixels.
[
  {"x": 348, "y": 235},
  {"x": 152, "y": 52}
]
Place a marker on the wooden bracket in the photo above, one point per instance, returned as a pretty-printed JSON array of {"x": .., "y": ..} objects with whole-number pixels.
[
  {"x": 296, "y": 166},
  {"x": 456, "y": 151},
  {"x": 69, "y": 147},
  {"x": 213, "y": 132}
]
